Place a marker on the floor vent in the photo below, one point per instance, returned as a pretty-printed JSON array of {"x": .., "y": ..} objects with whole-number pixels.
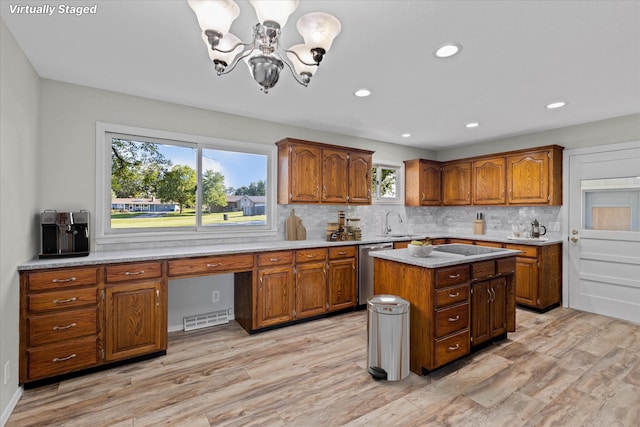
[{"x": 204, "y": 320}]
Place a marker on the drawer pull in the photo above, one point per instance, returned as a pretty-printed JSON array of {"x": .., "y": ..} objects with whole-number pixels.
[
  {"x": 342, "y": 253},
  {"x": 457, "y": 294},
  {"x": 453, "y": 347},
  {"x": 454, "y": 319},
  {"x": 312, "y": 255},
  {"x": 275, "y": 259},
  {"x": 65, "y": 301},
  {"x": 64, "y": 359},
  {"x": 214, "y": 265},
  {"x": 454, "y": 276},
  {"x": 59, "y": 328},
  {"x": 134, "y": 273},
  {"x": 70, "y": 279}
]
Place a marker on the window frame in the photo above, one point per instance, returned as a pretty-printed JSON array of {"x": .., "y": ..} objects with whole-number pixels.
[
  {"x": 399, "y": 198},
  {"x": 104, "y": 234}
]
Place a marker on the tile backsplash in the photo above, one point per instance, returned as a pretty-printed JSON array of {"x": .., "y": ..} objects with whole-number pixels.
[{"x": 455, "y": 220}]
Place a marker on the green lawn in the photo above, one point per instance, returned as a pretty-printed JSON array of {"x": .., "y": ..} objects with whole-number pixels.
[{"x": 173, "y": 219}]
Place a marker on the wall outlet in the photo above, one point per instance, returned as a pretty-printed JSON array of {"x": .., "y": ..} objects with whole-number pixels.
[
  {"x": 7, "y": 371},
  {"x": 215, "y": 296}
]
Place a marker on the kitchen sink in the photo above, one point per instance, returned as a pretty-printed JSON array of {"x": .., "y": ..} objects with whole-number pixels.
[{"x": 466, "y": 250}]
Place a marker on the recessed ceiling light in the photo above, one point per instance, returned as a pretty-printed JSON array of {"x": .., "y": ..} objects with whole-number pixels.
[
  {"x": 447, "y": 50},
  {"x": 406, "y": 135},
  {"x": 472, "y": 125},
  {"x": 556, "y": 105},
  {"x": 361, "y": 93}
]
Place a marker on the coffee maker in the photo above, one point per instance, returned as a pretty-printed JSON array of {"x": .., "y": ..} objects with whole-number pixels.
[{"x": 64, "y": 234}]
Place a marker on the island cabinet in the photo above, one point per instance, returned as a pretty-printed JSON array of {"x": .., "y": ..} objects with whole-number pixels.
[
  {"x": 135, "y": 301},
  {"x": 311, "y": 172},
  {"x": 446, "y": 317},
  {"x": 489, "y": 299},
  {"x": 422, "y": 183},
  {"x": 456, "y": 183}
]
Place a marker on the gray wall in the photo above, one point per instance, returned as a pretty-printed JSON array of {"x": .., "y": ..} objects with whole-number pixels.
[{"x": 19, "y": 197}]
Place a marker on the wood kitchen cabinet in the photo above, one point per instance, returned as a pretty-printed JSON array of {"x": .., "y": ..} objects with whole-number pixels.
[
  {"x": 342, "y": 278},
  {"x": 456, "y": 183},
  {"x": 359, "y": 190},
  {"x": 422, "y": 183},
  {"x": 538, "y": 275},
  {"x": 489, "y": 181},
  {"x": 311, "y": 282},
  {"x": 275, "y": 288},
  {"x": 311, "y": 172},
  {"x": 59, "y": 322},
  {"x": 135, "y": 301},
  {"x": 535, "y": 177},
  {"x": 488, "y": 302}
]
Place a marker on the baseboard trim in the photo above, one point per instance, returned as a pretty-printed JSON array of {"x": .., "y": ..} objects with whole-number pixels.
[{"x": 12, "y": 404}]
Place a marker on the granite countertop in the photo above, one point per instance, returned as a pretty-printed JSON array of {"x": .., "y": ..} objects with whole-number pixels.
[
  {"x": 439, "y": 259},
  {"x": 147, "y": 254}
]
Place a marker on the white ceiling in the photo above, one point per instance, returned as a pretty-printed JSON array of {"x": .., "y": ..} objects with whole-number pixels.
[{"x": 517, "y": 57}]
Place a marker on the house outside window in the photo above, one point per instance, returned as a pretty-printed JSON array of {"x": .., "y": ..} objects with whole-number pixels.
[{"x": 156, "y": 185}]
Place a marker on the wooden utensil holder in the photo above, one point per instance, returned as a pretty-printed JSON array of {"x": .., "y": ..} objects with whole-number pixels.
[{"x": 478, "y": 226}]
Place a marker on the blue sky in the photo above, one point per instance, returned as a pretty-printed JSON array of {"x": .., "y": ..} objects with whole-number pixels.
[{"x": 239, "y": 169}]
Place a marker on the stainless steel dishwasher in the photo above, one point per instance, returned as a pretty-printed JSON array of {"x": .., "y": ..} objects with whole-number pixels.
[{"x": 365, "y": 270}]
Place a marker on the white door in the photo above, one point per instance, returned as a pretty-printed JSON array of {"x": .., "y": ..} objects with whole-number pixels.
[{"x": 604, "y": 230}]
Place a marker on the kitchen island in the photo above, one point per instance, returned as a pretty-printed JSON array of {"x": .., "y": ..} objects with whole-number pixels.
[{"x": 462, "y": 298}]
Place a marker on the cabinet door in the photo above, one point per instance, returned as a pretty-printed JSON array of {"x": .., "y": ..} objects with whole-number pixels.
[
  {"x": 275, "y": 295},
  {"x": 134, "y": 313},
  {"x": 456, "y": 183},
  {"x": 360, "y": 178},
  {"x": 489, "y": 178},
  {"x": 528, "y": 178},
  {"x": 334, "y": 176},
  {"x": 430, "y": 185},
  {"x": 480, "y": 313},
  {"x": 342, "y": 284},
  {"x": 306, "y": 173},
  {"x": 498, "y": 308},
  {"x": 527, "y": 281},
  {"x": 311, "y": 289}
]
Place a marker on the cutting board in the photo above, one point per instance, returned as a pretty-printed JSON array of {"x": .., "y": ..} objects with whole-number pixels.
[{"x": 294, "y": 230}]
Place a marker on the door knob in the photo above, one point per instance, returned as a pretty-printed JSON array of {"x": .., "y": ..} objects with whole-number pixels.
[{"x": 574, "y": 239}]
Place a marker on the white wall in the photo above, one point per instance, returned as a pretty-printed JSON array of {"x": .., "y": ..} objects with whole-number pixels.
[
  {"x": 19, "y": 196},
  {"x": 602, "y": 132}
]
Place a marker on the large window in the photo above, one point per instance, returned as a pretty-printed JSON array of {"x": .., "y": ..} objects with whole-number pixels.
[
  {"x": 386, "y": 183},
  {"x": 160, "y": 185}
]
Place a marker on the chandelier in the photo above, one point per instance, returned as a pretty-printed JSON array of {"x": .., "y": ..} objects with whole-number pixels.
[{"x": 264, "y": 55}]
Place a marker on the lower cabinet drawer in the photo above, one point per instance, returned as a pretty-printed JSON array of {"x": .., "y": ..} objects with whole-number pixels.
[
  {"x": 59, "y": 359},
  {"x": 452, "y": 347},
  {"x": 452, "y": 295},
  {"x": 58, "y": 327},
  {"x": 451, "y": 319},
  {"x": 70, "y": 298}
]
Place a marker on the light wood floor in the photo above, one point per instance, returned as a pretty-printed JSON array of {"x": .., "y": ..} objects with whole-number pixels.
[{"x": 562, "y": 368}]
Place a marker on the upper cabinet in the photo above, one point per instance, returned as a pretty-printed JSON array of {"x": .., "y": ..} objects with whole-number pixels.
[
  {"x": 311, "y": 172},
  {"x": 489, "y": 180},
  {"x": 422, "y": 183},
  {"x": 456, "y": 183},
  {"x": 535, "y": 177},
  {"x": 524, "y": 177}
]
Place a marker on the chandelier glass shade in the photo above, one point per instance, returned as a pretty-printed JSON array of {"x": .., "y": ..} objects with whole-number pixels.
[{"x": 264, "y": 55}]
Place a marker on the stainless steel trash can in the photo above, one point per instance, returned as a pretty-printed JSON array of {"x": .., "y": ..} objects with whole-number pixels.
[{"x": 388, "y": 337}]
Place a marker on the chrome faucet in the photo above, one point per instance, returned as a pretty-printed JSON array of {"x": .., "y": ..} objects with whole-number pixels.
[{"x": 387, "y": 227}]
